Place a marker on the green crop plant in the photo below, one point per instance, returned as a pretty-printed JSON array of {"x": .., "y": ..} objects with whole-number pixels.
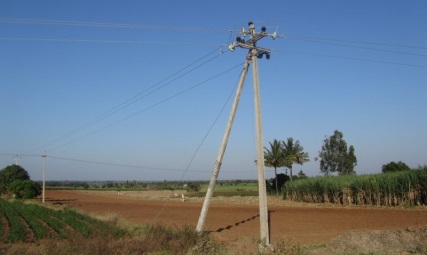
[
  {"x": 389, "y": 189},
  {"x": 17, "y": 228},
  {"x": 32, "y": 220}
]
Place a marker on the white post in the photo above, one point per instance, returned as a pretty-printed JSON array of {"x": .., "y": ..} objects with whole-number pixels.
[
  {"x": 263, "y": 210},
  {"x": 44, "y": 176}
]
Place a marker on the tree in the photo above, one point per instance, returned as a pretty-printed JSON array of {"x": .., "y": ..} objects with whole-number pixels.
[
  {"x": 10, "y": 174},
  {"x": 274, "y": 157},
  {"x": 302, "y": 175},
  {"x": 395, "y": 167},
  {"x": 336, "y": 157},
  {"x": 294, "y": 154},
  {"x": 26, "y": 189}
]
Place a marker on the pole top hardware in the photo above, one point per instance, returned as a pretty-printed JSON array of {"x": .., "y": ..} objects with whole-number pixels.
[{"x": 251, "y": 43}]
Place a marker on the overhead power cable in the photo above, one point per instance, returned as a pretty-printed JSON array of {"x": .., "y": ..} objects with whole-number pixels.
[
  {"x": 112, "y": 164},
  {"x": 198, "y": 147},
  {"x": 352, "y": 41},
  {"x": 108, "y": 25},
  {"x": 150, "y": 90},
  {"x": 152, "y": 106},
  {"x": 102, "y": 41},
  {"x": 351, "y": 58},
  {"x": 360, "y": 47},
  {"x": 119, "y": 165}
]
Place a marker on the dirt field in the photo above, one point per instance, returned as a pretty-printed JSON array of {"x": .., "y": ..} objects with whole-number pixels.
[{"x": 236, "y": 219}]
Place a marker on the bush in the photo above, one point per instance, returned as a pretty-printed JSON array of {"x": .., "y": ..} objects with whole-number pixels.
[
  {"x": 26, "y": 189},
  {"x": 395, "y": 167},
  {"x": 10, "y": 174}
]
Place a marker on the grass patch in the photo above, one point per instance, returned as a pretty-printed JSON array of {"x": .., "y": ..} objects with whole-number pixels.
[{"x": 230, "y": 193}]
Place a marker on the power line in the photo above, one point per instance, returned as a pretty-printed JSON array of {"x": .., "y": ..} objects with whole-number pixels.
[
  {"x": 352, "y": 41},
  {"x": 118, "y": 165},
  {"x": 210, "y": 128},
  {"x": 360, "y": 47},
  {"x": 137, "y": 97},
  {"x": 108, "y": 25},
  {"x": 352, "y": 58},
  {"x": 151, "y": 106},
  {"x": 101, "y": 41},
  {"x": 198, "y": 148},
  {"x": 111, "y": 164}
]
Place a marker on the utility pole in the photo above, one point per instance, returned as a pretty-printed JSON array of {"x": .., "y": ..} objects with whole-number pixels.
[
  {"x": 16, "y": 158},
  {"x": 254, "y": 53},
  {"x": 44, "y": 176}
]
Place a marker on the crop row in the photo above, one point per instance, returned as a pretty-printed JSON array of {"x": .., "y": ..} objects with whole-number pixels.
[
  {"x": 24, "y": 222},
  {"x": 390, "y": 189}
]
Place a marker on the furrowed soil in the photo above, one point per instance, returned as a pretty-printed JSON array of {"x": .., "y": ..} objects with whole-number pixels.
[{"x": 235, "y": 220}]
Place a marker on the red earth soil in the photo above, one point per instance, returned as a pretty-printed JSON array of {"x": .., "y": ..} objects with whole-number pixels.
[{"x": 231, "y": 221}]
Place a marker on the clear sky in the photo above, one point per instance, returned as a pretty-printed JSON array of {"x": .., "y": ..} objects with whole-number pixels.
[{"x": 139, "y": 85}]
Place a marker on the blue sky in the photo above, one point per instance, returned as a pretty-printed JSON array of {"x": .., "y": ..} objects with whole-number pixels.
[{"x": 68, "y": 69}]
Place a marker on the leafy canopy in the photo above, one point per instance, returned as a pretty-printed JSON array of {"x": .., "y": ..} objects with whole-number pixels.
[
  {"x": 395, "y": 167},
  {"x": 26, "y": 189},
  {"x": 336, "y": 157},
  {"x": 294, "y": 154},
  {"x": 10, "y": 174},
  {"x": 275, "y": 157}
]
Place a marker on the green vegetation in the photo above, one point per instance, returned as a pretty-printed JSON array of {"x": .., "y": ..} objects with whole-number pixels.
[
  {"x": 70, "y": 232},
  {"x": 395, "y": 167},
  {"x": 283, "y": 154},
  {"x": 335, "y": 157},
  {"x": 294, "y": 154},
  {"x": 15, "y": 180},
  {"x": 26, "y": 189},
  {"x": 274, "y": 157},
  {"x": 389, "y": 189},
  {"x": 26, "y": 220},
  {"x": 10, "y": 174},
  {"x": 229, "y": 188}
]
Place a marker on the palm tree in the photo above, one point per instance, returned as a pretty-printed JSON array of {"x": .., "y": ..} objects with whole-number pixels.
[
  {"x": 274, "y": 157},
  {"x": 293, "y": 153}
]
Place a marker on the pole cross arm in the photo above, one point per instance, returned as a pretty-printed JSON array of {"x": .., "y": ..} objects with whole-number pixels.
[{"x": 251, "y": 43}]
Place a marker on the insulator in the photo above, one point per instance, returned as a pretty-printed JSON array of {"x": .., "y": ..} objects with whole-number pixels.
[
  {"x": 263, "y": 29},
  {"x": 238, "y": 39},
  {"x": 267, "y": 56}
]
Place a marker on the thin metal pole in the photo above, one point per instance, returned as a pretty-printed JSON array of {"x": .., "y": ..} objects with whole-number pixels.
[
  {"x": 211, "y": 187},
  {"x": 44, "y": 176},
  {"x": 263, "y": 210}
]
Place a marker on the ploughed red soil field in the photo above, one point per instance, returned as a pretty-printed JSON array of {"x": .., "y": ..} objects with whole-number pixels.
[{"x": 237, "y": 218}]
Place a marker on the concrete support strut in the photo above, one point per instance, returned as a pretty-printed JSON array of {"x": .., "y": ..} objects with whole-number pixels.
[{"x": 217, "y": 167}]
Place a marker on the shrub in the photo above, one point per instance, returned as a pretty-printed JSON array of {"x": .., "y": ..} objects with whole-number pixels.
[
  {"x": 26, "y": 189},
  {"x": 395, "y": 167}
]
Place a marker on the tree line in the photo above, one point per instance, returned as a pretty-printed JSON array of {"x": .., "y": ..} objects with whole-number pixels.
[{"x": 335, "y": 156}]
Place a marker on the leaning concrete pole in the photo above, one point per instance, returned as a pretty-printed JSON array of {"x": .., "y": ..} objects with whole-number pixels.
[
  {"x": 211, "y": 187},
  {"x": 263, "y": 210}
]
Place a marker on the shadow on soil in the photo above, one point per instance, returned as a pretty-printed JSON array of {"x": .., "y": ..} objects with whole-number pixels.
[
  {"x": 58, "y": 201},
  {"x": 236, "y": 224}
]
